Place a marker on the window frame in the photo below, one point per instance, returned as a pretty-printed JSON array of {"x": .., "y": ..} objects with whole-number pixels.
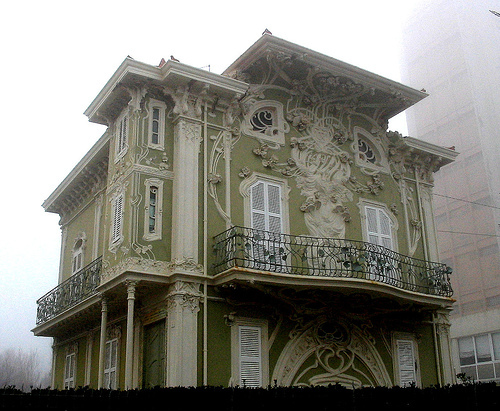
[
  {"x": 161, "y": 106},
  {"x": 276, "y": 134},
  {"x": 381, "y": 165},
  {"x": 246, "y": 192},
  {"x": 237, "y": 324},
  {"x": 156, "y": 234}
]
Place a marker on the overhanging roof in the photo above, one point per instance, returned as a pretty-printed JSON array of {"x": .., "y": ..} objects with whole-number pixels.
[
  {"x": 172, "y": 74},
  {"x": 271, "y": 44}
]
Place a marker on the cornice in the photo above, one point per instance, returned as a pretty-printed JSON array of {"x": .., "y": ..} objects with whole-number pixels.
[
  {"x": 269, "y": 44},
  {"x": 446, "y": 154},
  {"x": 172, "y": 74},
  {"x": 89, "y": 172}
]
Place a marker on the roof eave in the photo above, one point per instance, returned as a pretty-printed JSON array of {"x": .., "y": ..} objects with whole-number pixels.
[
  {"x": 170, "y": 70},
  {"x": 268, "y": 43}
]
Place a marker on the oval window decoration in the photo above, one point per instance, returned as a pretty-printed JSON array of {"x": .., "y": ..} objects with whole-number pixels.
[
  {"x": 265, "y": 121},
  {"x": 369, "y": 153},
  {"x": 262, "y": 121},
  {"x": 365, "y": 152}
]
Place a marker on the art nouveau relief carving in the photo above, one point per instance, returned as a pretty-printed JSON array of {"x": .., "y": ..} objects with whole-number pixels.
[
  {"x": 327, "y": 351},
  {"x": 220, "y": 152}
]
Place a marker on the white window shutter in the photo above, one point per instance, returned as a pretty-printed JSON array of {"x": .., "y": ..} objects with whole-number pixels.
[
  {"x": 258, "y": 206},
  {"x": 406, "y": 362},
  {"x": 117, "y": 218},
  {"x": 266, "y": 207},
  {"x": 378, "y": 226},
  {"x": 250, "y": 356}
]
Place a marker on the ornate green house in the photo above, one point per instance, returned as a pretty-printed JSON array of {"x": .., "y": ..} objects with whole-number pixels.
[{"x": 253, "y": 228}]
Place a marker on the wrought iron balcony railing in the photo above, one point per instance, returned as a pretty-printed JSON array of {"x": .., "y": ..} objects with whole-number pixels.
[
  {"x": 328, "y": 257},
  {"x": 75, "y": 289}
]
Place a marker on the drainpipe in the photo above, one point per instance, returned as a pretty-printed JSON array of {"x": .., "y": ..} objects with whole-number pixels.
[{"x": 205, "y": 246}]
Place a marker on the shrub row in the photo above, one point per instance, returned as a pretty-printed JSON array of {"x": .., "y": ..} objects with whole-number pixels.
[{"x": 470, "y": 397}]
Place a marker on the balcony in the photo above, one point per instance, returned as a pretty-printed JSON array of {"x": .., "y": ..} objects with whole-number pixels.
[
  {"x": 69, "y": 293},
  {"x": 303, "y": 256}
]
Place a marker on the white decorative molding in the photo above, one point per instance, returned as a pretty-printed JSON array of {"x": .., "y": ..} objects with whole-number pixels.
[{"x": 156, "y": 234}]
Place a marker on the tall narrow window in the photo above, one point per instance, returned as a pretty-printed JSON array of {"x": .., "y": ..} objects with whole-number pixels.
[
  {"x": 153, "y": 194},
  {"x": 153, "y": 209},
  {"x": 77, "y": 256},
  {"x": 250, "y": 356},
  {"x": 69, "y": 370},
  {"x": 155, "y": 126},
  {"x": 121, "y": 135},
  {"x": 250, "y": 367},
  {"x": 156, "y": 138},
  {"x": 407, "y": 367},
  {"x": 266, "y": 220},
  {"x": 117, "y": 223},
  {"x": 110, "y": 364},
  {"x": 266, "y": 206}
]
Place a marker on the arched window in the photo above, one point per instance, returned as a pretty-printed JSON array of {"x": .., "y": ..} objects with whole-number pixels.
[{"x": 369, "y": 154}]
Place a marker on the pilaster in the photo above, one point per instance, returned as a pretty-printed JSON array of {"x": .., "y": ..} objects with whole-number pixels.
[
  {"x": 442, "y": 326},
  {"x": 187, "y": 138},
  {"x": 183, "y": 305}
]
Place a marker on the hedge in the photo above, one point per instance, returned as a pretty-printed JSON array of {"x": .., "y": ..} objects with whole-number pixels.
[{"x": 470, "y": 397}]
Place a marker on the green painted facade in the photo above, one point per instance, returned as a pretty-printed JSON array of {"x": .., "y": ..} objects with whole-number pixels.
[{"x": 319, "y": 330}]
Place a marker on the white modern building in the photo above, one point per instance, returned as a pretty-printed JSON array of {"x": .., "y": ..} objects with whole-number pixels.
[{"x": 451, "y": 50}]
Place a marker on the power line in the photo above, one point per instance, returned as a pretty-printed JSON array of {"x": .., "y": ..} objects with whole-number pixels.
[
  {"x": 466, "y": 201},
  {"x": 462, "y": 232}
]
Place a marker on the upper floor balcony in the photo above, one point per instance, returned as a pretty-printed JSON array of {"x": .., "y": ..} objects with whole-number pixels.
[
  {"x": 286, "y": 258},
  {"x": 303, "y": 258},
  {"x": 70, "y": 292}
]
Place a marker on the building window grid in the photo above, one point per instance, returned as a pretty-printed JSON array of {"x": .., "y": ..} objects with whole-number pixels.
[{"x": 480, "y": 356}]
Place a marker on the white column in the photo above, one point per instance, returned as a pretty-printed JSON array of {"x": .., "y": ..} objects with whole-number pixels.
[
  {"x": 129, "y": 348},
  {"x": 183, "y": 305},
  {"x": 187, "y": 138},
  {"x": 102, "y": 342}
]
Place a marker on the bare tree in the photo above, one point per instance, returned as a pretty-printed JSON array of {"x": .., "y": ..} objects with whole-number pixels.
[{"x": 22, "y": 370}]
